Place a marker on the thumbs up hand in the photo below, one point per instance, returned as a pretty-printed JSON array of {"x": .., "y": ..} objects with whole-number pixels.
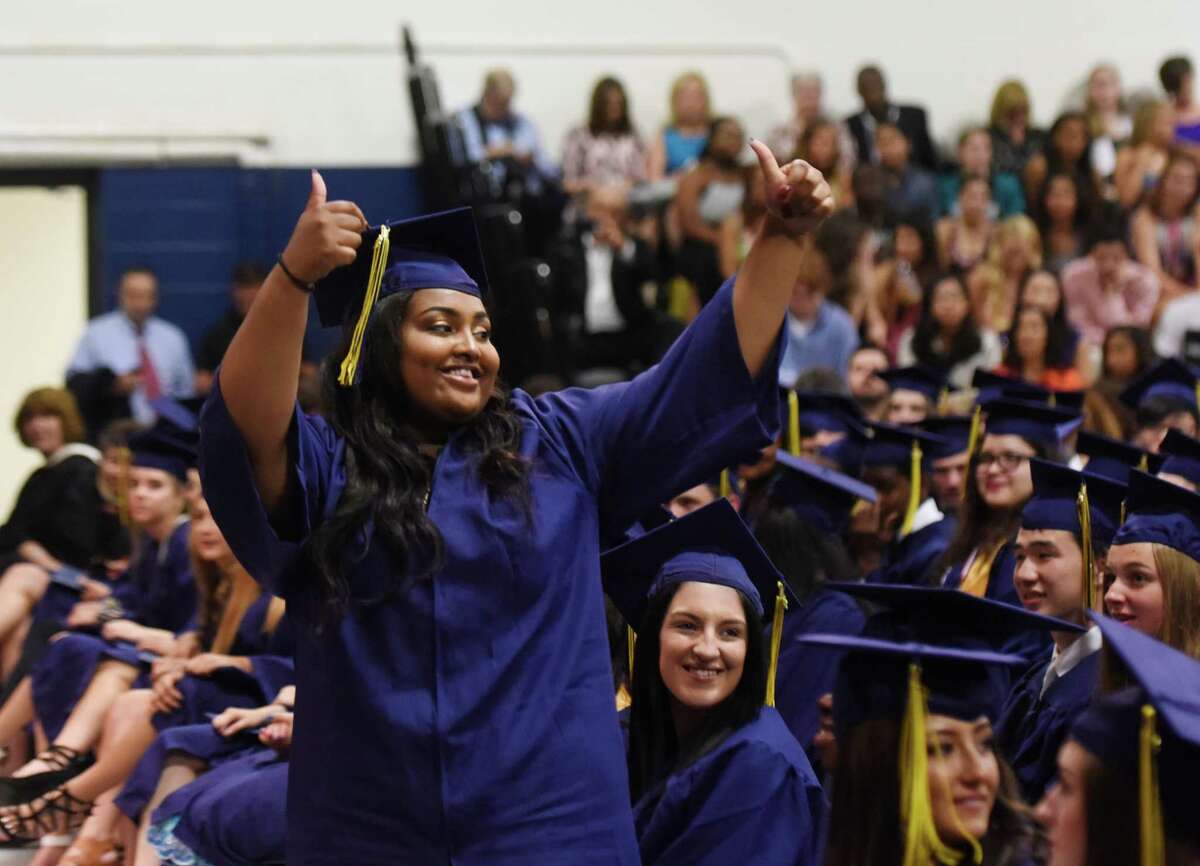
[
  {"x": 798, "y": 198},
  {"x": 327, "y": 235}
]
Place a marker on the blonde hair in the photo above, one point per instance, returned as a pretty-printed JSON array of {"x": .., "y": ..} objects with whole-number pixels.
[
  {"x": 1022, "y": 228},
  {"x": 683, "y": 81},
  {"x": 58, "y": 402},
  {"x": 1009, "y": 95},
  {"x": 1143, "y": 120},
  {"x": 1179, "y": 575},
  {"x": 1095, "y": 124}
]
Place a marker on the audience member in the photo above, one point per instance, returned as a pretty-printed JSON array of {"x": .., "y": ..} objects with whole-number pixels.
[
  {"x": 1178, "y": 80},
  {"x": 1140, "y": 162},
  {"x": 912, "y": 191},
  {"x": 848, "y": 249},
  {"x": 869, "y": 391},
  {"x": 820, "y": 145},
  {"x": 1014, "y": 249},
  {"x": 975, "y": 160},
  {"x": 872, "y": 89},
  {"x": 946, "y": 338},
  {"x": 1014, "y": 139},
  {"x": 807, "y": 107},
  {"x": 1125, "y": 356},
  {"x": 817, "y": 332},
  {"x": 1062, "y": 209},
  {"x": 1177, "y": 334},
  {"x": 1067, "y": 147},
  {"x": 243, "y": 287},
  {"x": 1106, "y": 288},
  {"x": 1108, "y": 120},
  {"x": 129, "y": 357},
  {"x": 1034, "y": 353},
  {"x": 495, "y": 131},
  {"x": 708, "y": 194},
  {"x": 963, "y": 238},
  {"x": 901, "y": 276},
  {"x": 681, "y": 142},
  {"x": 1163, "y": 229},
  {"x": 605, "y": 157}
]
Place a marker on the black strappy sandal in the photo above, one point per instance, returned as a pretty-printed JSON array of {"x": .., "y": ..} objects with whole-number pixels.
[
  {"x": 67, "y": 764},
  {"x": 58, "y": 811}
]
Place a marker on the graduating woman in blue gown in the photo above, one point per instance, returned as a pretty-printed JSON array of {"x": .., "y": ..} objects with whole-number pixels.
[{"x": 437, "y": 539}]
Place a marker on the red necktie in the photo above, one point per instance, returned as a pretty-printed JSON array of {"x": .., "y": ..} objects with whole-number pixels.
[{"x": 149, "y": 376}]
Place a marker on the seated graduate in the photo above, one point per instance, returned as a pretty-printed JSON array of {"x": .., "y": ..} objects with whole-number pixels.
[
  {"x": 1152, "y": 571},
  {"x": 915, "y": 394},
  {"x": 1113, "y": 459},
  {"x": 1060, "y": 554},
  {"x": 801, "y": 532},
  {"x": 1126, "y": 788},
  {"x": 1180, "y": 464},
  {"x": 149, "y": 606},
  {"x": 234, "y": 815},
  {"x": 715, "y": 776},
  {"x": 910, "y": 532},
  {"x": 1164, "y": 398},
  {"x": 913, "y": 708},
  {"x": 948, "y": 467}
]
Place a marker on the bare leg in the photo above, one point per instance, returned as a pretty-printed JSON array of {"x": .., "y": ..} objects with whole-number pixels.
[
  {"x": 17, "y": 711},
  {"x": 102, "y": 825},
  {"x": 21, "y": 587},
  {"x": 179, "y": 771},
  {"x": 128, "y": 734},
  {"x": 12, "y": 647}
]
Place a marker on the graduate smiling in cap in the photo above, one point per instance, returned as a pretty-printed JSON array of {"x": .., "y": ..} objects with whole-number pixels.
[{"x": 437, "y": 539}]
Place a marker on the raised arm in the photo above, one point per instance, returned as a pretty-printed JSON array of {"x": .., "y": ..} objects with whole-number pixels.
[
  {"x": 259, "y": 374},
  {"x": 798, "y": 198}
]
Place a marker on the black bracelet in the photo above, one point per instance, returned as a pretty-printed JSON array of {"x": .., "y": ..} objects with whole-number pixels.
[{"x": 307, "y": 288}]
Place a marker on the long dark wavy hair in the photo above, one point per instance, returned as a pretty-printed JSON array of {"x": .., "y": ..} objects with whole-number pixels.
[
  {"x": 807, "y": 557},
  {"x": 387, "y": 476},
  {"x": 1054, "y": 355},
  {"x": 655, "y": 752},
  {"x": 966, "y": 341},
  {"x": 868, "y": 771}
]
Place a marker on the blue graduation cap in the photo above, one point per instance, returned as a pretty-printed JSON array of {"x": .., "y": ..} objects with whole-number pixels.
[
  {"x": 1160, "y": 512},
  {"x": 993, "y": 386},
  {"x": 1182, "y": 456},
  {"x": 1034, "y": 422},
  {"x": 163, "y": 447},
  {"x": 1113, "y": 458},
  {"x": 826, "y": 411},
  {"x": 182, "y": 417},
  {"x": 1150, "y": 732},
  {"x": 822, "y": 496},
  {"x": 709, "y": 545},
  {"x": 906, "y": 449},
  {"x": 847, "y": 453},
  {"x": 921, "y": 379},
  {"x": 435, "y": 251},
  {"x": 954, "y": 430},
  {"x": 1170, "y": 378}
]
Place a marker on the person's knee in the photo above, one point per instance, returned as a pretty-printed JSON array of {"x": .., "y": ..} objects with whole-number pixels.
[
  {"x": 26, "y": 579},
  {"x": 132, "y": 705},
  {"x": 116, "y": 671}
]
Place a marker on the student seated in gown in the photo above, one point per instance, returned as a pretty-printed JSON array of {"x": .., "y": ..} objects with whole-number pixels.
[
  {"x": 1059, "y": 565},
  {"x": 715, "y": 776},
  {"x": 948, "y": 466},
  {"x": 1163, "y": 399},
  {"x": 1180, "y": 460},
  {"x": 1112, "y": 459}
]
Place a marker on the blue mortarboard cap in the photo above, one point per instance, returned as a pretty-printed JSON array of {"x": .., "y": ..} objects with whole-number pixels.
[
  {"x": 847, "y": 453},
  {"x": 1160, "y": 512},
  {"x": 709, "y": 545},
  {"x": 953, "y": 430},
  {"x": 920, "y": 379},
  {"x": 183, "y": 417},
  {"x": 1111, "y": 729},
  {"x": 163, "y": 447},
  {"x": 1182, "y": 456},
  {"x": 1034, "y": 422},
  {"x": 827, "y": 411},
  {"x": 1169, "y": 378},
  {"x": 822, "y": 496},
  {"x": 1054, "y": 504},
  {"x": 1113, "y": 458},
  {"x": 892, "y": 445},
  {"x": 993, "y": 386}
]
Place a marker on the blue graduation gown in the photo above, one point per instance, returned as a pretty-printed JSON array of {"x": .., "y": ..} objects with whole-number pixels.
[
  {"x": 470, "y": 719},
  {"x": 1032, "y": 727},
  {"x": 753, "y": 799},
  {"x": 909, "y": 560},
  {"x": 1030, "y": 644},
  {"x": 807, "y": 672}
]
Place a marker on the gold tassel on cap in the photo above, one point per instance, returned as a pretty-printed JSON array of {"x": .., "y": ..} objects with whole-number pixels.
[
  {"x": 379, "y": 258},
  {"x": 726, "y": 487},
  {"x": 1151, "y": 821},
  {"x": 1091, "y": 599},
  {"x": 631, "y": 644},
  {"x": 776, "y": 639},
  {"x": 793, "y": 430},
  {"x": 1144, "y": 462},
  {"x": 914, "y": 489},
  {"x": 922, "y": 845}
]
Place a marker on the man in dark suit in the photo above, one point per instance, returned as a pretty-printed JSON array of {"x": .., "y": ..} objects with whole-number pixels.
[{"x": 910, "y": 119}]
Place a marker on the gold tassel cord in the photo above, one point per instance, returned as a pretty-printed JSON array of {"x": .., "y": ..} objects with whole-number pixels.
[
  {"x": 914, "y": 489},
  {"x": 726, "y": 487},
  {"x": 793, "y": 430},
  {"x": 922, "y": 845},
  {"x": 1144, "y": 463},
  {"x": 973, "y": 438},
  {"x": 124, "y": 461},
  {"x": 1151, "y": 822},
  {"x": 1083, "y": 507},
  {"x": 781, "y": 604},
  {"x": 631, "y": 645},
  {"x": 379, "y": 258}
]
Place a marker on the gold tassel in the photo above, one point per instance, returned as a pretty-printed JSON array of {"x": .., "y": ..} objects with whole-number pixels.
[
  {"x": 1153, "y": 844},
  {"x": 793, "y": 431},
  {"x": 1144, "y": 462},
  {"x": 1052, "y": 400},
  {"x": 1197, "y": 387},
  {"x": 943, "y": 400},
  {"x": 124, "y": 461},
  {"x": 914, "y": 489},
  {"x": 776, "y": 639},
  {"x": 1084, "y": 510},
  {"x": 973, "y": 438},
  {"x": 379, "y": 258},
  {"x": 726, "y": 487},
  {"x": 922, "y": 845},
  {"x": 630, "y": 644}
]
